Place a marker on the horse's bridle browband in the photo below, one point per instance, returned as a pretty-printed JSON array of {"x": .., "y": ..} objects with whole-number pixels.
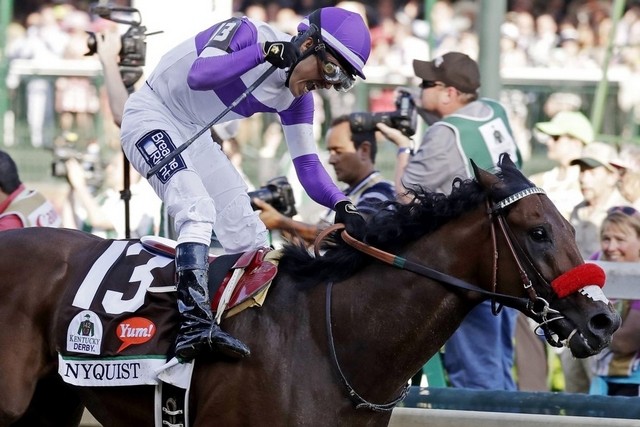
[
  {"x": 530, "y": 304},
  {"x": 515, "y": 197}
]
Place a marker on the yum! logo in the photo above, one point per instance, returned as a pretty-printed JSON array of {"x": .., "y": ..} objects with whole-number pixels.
[{"x": 135, "y": 330}]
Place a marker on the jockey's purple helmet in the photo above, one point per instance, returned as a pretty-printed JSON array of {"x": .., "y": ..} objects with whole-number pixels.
[{"x": 346, "y": 33}]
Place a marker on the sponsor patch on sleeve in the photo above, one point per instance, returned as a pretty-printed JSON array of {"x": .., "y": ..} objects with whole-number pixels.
[{"x": 155, "y": 146}]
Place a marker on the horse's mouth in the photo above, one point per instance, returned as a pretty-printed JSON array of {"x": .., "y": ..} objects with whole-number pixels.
[{"x": 581, "y": 345}]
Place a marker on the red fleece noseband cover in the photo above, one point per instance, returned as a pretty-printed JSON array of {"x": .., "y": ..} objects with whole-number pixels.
[{"x": 577, "y": 278}]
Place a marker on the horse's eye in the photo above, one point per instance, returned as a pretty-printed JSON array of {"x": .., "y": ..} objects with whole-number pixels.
[{"x": 539, "y": 234}]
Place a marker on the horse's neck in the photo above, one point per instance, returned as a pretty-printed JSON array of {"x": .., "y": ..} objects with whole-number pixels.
[{"x": 391, "y": 321}]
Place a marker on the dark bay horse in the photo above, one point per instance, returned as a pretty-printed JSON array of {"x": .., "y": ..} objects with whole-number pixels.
[{"x": 339, "y": 335}]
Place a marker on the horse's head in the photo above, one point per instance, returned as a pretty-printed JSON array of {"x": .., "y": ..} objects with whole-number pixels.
[{"x": 563, "y": 292}]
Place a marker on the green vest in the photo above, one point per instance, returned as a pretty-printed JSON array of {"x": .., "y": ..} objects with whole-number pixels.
[{"x": 494, "y": 132}]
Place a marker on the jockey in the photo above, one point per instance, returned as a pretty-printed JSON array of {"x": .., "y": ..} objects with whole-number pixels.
[{"x": 196, "y": 81}]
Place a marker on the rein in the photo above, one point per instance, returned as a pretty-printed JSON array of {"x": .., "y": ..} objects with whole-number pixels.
[
  {"x": 405, "y": 264},
  {"x": 359, "y": 401}
]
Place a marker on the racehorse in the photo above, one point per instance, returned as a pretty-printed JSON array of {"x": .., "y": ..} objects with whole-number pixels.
[{"x": 341, "y": 333}]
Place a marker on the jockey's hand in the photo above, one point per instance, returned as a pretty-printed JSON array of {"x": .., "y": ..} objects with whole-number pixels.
[
  {"x": 281, "y": 54},
  {"x": 347, "y": 214}
]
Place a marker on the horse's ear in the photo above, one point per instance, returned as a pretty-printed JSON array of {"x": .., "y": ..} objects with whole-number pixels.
[
  {"x": 505, "y": 162},
  {"x": 485, "y": 178}
]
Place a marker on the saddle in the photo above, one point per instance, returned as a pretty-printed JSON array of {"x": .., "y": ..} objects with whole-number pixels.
[{"x": 258, "y": 268}]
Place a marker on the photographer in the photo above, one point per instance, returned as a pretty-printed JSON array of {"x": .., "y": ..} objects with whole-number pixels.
[
  {"x": 101, "y": 212},
  {"x": 469, "y": 128},
  {"x": 352, "y": 155}
]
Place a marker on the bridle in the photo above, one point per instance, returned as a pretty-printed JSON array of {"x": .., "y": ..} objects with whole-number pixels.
[{"x": 537, "y": 306}]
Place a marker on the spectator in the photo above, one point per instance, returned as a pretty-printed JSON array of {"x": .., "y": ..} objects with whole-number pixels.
[
  {"x": 76, "y": 99},
  {"x": 598, "y": 180},
  {"x": 598, "y": 186},
  {"x": 565, "y": 136},
  {"x": 616, "y": 367},
  {"x": 628, "y": 166},
  {"x": 469, "y": 128},
  {"x": 19, "y": 206},
  {"x": 43, "y": 42},
  {"x": 353, "y": 157},
  {"x": 103, "y": 214}
]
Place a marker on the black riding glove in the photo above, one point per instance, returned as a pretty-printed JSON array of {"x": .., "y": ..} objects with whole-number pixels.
[
  {"x": 281, "y": 54},
  {"x": 347, "y": 214}
]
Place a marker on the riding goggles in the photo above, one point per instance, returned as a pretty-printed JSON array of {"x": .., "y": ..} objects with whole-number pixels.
[{"x": 333, "y": 74}]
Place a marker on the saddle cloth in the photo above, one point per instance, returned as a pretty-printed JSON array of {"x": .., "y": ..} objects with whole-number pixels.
[{"x": 118, "y": 322}]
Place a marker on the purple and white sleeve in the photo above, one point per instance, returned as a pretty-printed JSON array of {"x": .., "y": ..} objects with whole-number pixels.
[{"x": 215, "y": 68}]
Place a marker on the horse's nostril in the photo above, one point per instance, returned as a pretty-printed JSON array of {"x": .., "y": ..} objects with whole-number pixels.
[{"x": 601, "y": 322}]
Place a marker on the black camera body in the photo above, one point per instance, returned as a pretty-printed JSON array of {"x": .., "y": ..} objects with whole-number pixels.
[
  {"x": 133, "y": 52},
  {"x": 279, "y": 194},
  {"x": 404, "y": 118},
  {"x": 90, "y": 162}
]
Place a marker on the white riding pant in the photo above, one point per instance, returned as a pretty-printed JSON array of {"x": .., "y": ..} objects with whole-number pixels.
[{"x": 208, "y": 193}]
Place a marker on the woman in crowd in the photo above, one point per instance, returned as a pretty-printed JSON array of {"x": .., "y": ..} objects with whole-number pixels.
[{"x": 616, "y": 368}]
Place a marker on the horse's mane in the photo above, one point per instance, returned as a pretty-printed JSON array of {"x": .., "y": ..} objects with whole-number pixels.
[{"x": 397, "y": 224}]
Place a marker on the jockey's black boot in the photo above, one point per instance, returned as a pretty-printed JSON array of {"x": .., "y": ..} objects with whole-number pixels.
[{"x": 198, "y": 331}]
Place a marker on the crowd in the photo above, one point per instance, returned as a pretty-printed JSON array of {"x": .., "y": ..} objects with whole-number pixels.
[{"x": 595, "y": 185}]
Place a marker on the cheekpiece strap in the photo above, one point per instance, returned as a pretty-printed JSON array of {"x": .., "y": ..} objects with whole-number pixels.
[{"x": 515, "y": 197}]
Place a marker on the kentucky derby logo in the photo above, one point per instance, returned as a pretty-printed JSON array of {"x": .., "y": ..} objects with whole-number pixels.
[{"x": 84, "y": 334}]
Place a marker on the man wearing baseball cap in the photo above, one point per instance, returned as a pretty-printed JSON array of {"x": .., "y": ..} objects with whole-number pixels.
[
  {"x": 628, "y": 166},
  {"x": 565, "y": 136},
  {"x": 469, "y": 127},
  {"x": 475, "y": 128}
]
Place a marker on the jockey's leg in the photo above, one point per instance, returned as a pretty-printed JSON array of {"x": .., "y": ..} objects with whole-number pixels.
[
  {"x": 207, "y": 189},
  {"x": 198, "y": 331}
]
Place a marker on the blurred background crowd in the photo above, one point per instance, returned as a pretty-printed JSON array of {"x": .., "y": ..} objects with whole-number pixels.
[{"x": 551, "y": 58}]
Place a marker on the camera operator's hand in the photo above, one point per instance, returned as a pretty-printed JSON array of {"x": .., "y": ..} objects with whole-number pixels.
[
  {"x": 269, "y": 215},
  {"x": 75, "y": 174},
  {"x": 395, "y": 136},
  {"x": 347, "y": 214},
  {"x": 108, "y": 45},
  {"x": 281, "y": 54},
  {"x": 274, "y": 220}
]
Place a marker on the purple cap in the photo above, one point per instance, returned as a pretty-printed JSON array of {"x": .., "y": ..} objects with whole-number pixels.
[{"x": 346, "y": 33}]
